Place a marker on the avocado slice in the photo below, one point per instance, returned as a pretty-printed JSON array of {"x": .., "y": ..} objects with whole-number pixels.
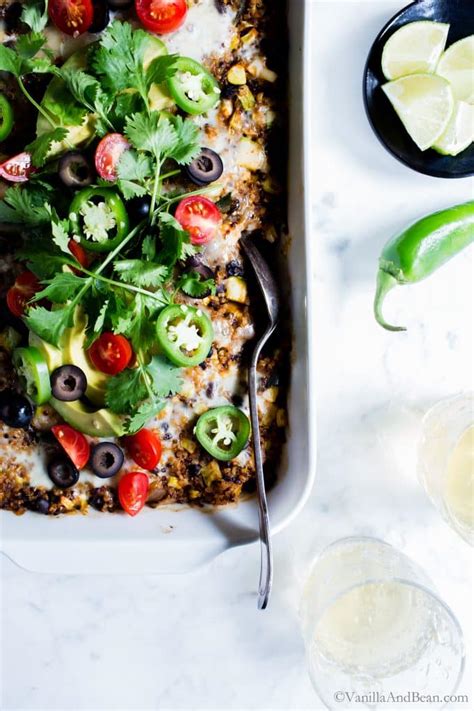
[
  {"x": 56, "y": 98},
  {"x": 96, "y": 423},
  {"x": 52, "y": 355},
  {"x": 73, "y": 352}
]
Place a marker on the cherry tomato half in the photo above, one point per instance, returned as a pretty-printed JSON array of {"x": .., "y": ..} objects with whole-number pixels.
[
  {"x": 71, "y": 16},
  {"x": 79, "y": 254},
  {"x": 161, "y": 16},
  {"x": 200, "y": 217},
  {"x": 17, "y": 169},
  {"x": 24, "y": 288},
  {"x": 144, "y": 447},
  {"x": 74, "y": 444},
  {"x": 107, "y": 155},
  {"x": 132, "y": 492},
  {"x": 110, "y": 353}
]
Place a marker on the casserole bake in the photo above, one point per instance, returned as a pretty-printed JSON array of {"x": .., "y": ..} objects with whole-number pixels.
[{"x": 225, "y": 526}]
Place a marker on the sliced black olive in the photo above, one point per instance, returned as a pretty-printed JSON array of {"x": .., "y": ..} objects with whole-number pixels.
[
  {"x": 68, "y": 382},
  {"x": 205, "y": 168},
  {"x": 101, "y": 16},
  {"x": 138, "y": 208},
  {"x": 195, "y": 264},
  {"x": 75, "y": 170},
  {"x": 12, "y": 17},
  {"x": 106, "y": 459},
  {"x": 15, "y": 409},
  {"x": 63, "y": 473},
  {"x": 119, "y": 4}
]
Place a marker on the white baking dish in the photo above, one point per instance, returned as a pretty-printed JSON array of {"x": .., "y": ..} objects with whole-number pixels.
[{"x": 179, "y": 539}]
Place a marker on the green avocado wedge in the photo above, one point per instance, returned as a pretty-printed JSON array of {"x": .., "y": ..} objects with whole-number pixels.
[
  {"x": 96, "y": 423},
  {"x": 59, "y": 102}
]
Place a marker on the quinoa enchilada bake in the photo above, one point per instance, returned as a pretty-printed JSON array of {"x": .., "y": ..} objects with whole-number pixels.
[{"x": 138, "y": 145}]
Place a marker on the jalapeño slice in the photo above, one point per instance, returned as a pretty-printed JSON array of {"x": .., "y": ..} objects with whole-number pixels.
[
  {"x": 6, "y": 117},
  {"x": 185, "y": 334},
  {"x": 33, "y": 373},
  {"x": 99, "y": 218},
  {"x": 223, "y": 432},
  {"x": 193, "y": 88}
]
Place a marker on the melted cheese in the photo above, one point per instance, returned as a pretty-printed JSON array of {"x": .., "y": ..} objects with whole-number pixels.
[{"x": 206, "y": 31}]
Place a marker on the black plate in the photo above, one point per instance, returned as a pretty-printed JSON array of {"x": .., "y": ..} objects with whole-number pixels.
[{"x": 383, "y": 119}]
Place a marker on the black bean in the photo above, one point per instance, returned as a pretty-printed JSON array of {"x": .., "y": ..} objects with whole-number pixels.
[{"x": 234, "y": 268}]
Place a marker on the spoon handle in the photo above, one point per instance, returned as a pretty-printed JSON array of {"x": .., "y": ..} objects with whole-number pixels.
[{"x": 266, "y": 556}]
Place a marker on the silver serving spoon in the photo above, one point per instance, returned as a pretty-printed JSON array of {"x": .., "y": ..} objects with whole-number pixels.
[{"x": 269, "y": 291}]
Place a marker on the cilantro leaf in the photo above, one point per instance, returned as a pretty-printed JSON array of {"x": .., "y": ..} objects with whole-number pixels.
[
  {"x": 133, "y": 170},
  {"x": 143, "y": 414},
  {"x": 141, "y": 392},
  {"x": 41, "y": 260},
  {"x": 100, "y": 320},
  {"x": 195, "y": 286},
  {"x": 41, "y": 146},
  {"x": 175, "y": 240},
  {"x": 63, "y": 107},
  {"x": 165, "y": 377},
  {"x": 118, "y": 59},
  {"x": 49, "y": 325},
  {"x": 125, "y": 390},
  {"x": 35, "y": 14},
  {"x": 188, "y": 144},
  {"x": 161, "y": 69},
  {"x": 86, "y": 90},
  {"x": 29, "y": 45},
  {"x": 125, "y": 105},
  {"x": 10, "y": 61},
  {"x": 149, "y": 247},
  {"x": 62, "y": 287},
  {"x": 60, "y": 232},
  {"x": 153, "y": 133},
  {"x": 141, "y": 273},
  {"x": 25, "y": 206}
]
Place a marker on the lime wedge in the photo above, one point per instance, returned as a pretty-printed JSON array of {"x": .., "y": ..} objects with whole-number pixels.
[
  {"x": 459, "y": 133},
  {"x": 414, "y": 48},
  {"x": 424, "y": 104},
  {"x": 457, "y": 66}
]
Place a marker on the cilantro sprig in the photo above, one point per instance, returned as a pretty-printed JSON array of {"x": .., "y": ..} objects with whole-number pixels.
[{"x": 125, "y": 291}]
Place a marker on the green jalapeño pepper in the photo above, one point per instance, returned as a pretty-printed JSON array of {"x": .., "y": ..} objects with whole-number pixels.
[
  {"x": 223, "y": 432},
  {"x": 6, "y": 117},
  {"x": 421, "y": 249},
  {"x": 99, "y": 218},
  {"x": 185, "y": 334},
  {"x": 33, "y": 373},
  {"x": 193, "y": 88}
]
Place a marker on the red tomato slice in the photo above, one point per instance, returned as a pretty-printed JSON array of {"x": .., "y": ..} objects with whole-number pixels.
[
  {"x": 144, "y": 447},
  {"x": 161, "y": 16},
  {"x": 110, "y": 353},
  {"x": 107, "y": 155},
  {"x": 71, "y": 16},
  {"x": 132, "y": 492},
  {"x": 200, "y": 217},
  {"x": 74, "y": 444},
  {"x": 24, "y": 288},
  {"x": 17, "y": 169}
]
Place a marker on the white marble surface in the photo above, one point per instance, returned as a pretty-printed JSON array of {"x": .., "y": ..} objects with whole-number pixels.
[{"x": 197, "y": 641}]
